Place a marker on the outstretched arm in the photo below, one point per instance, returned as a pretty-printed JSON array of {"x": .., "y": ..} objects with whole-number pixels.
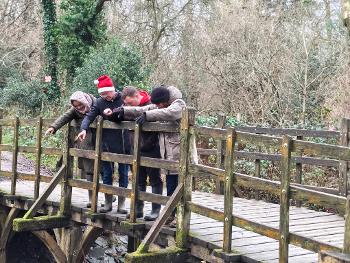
[
  {"x": 131, "y": 113},
  {"x": 171, "y": 113},
  {"x": 89, "y": 118},
  {"x": 65, "y": 118}
]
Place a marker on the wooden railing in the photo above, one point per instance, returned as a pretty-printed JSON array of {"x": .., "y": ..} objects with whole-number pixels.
[
  {"x": 228, "y": 138},
  {"x": 340, "y": 138},
  {"x": 286, "y": 191}
]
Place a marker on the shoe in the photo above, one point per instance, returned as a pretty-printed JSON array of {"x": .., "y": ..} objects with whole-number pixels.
[
  {"x": 108, "y": 204},
  {"x": 121, "y": 205},
  {"x": 88, "y": 205},
  {"x": 158, "y": 189}
]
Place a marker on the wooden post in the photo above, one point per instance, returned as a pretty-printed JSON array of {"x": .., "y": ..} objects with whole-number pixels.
[
  {"x": 97, "y": 164},
  {"x": 229, "y": 179},
  {"x": 299, "y": 172},
  {"x": 1, "y": 117},
  {"x": 346, "y": 246},
  {"x": 66, "y": 190},
  {"x": 284, "y": 198},
  {"x": 185, "y": 178},
  {"x": 38, "y": 157},
  {"x": 135, "y": 174},
  {"x": 343, "y": 165},
  {"x": 257, "y": 174},
  {"x": 14, "y": 155},
  {"x": 219, "y": 189}
]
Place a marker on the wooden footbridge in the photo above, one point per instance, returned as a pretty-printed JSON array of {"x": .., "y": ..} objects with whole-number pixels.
[{"x": 210, "y": 227}]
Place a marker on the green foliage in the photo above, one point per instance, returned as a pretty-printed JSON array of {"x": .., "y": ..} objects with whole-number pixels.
[
  {"x": 51, "y": 47},
  {"x": 212, "y": 121},
  {"x": 80, "y": 27},
  {"x": 25, "y": 96},
  {"x": 123, "y": 63}
]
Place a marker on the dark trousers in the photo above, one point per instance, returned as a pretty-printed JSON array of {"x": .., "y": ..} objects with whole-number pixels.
[
  {"x": 153, "y": 174},
  {"x": 171, "y": 183},
  {"x": 108, "y": 171}
]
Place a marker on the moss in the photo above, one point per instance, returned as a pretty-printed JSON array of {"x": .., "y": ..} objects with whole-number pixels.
[
  {"x": 171, "y": 254},
  {"x": 40, "y": 223}
]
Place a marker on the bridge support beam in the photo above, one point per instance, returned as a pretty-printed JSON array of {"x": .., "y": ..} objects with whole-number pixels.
[
  {"x": 40, "y": 223},
  {"x": 6, "y": 232},
  {"x": 170, "y": 255},
  {"x": 333, "y": 257}
]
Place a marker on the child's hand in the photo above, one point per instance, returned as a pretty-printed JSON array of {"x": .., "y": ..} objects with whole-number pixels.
[
  {"x": 50, "y": 131},
  {"x": 107, "y": 112}
]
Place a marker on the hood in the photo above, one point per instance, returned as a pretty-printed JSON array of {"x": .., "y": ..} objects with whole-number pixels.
[
  {"x": 175, "y": 94},
  {"x": 146, "y": 98},
  {"x": 83, "y": 98}
]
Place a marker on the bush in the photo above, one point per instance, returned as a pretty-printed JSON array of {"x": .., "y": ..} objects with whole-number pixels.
[
  {"x": 23, "y": 95},
  {"x": 121, "y": 62}
]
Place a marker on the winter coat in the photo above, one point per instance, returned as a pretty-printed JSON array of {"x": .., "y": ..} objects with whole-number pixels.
[
  {"x": 114, "y": 141},
  {"x": 169, "y": 142},
  {"x": 88, "y": 144},
  {"x": 149, "y": 141}
]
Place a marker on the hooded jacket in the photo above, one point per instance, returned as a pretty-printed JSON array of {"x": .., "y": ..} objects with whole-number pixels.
[
  {"x": 169, "y": 142},
  {"x": 73, "y": 114}
]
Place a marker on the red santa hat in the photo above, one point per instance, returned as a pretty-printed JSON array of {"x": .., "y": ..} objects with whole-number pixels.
[{"x": 104, "y": 83}]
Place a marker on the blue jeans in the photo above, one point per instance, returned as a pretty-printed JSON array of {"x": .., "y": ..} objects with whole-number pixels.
[
  {"x": 171, "y": 183},
  {"x": 108, "y": 171}
]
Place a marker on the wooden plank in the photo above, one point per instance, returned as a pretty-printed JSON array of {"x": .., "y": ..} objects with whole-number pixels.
[
  {"x": 299, "y": 172},
  {"x": 229, "y": 179},
  {"x": 135, "y": 174},
  {"x": 268, "y": 231},
  {"x": 322, "y": 150},
  {"x": 290, "y": 132},
  {"x": 257, "y": 173},
  {"x": 265, "y": 141},
  {"x": 185, "y": 178},
  {"x": 66, "y": 190},
  {"x": 157, "y": 225},
  {"x": 219, "y": 186},
  {"x": 216, "y": 133},
  {"x": 284, "y": 199},
  {"x": 38, "y": 157},
  {"x": 97, "y": 165},
  {"x": 46, "y": 193},
  {"x": 130, "y": 125},
  {"x": 40, "y": 223},
  {"x": 275, "y": 157},
  {"x": 346, "y": 246},
  {"x": 15, "y": 155},
  {"x": 343, "y": 164}
]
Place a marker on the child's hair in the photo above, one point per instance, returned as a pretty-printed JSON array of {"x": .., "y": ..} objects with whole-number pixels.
[
  {"x": 129, "y": 91},
  {"x": 160, "y": 94}
]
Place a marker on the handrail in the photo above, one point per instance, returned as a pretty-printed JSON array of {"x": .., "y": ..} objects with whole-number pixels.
[{"x": 336, "y": 155}]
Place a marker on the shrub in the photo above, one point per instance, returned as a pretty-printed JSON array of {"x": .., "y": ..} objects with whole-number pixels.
[{"x": 123, "y": 63}]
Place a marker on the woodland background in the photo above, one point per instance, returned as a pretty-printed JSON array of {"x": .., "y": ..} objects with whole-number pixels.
[{"x": 260, "y": 62}]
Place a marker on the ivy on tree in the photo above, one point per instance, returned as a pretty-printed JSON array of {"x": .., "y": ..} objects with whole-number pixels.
[
  {"x": 80, "y": 28},
  {"x": 51, "y": 47}
]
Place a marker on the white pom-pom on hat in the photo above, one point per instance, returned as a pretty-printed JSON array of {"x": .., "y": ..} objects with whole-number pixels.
[{"x": 96, "y": 81}]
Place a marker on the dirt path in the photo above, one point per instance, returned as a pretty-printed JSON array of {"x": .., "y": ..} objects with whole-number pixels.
[{"x": 24, "y": 165}]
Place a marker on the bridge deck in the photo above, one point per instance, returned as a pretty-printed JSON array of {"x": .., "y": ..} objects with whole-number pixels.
[{"x": 326, "y": 227}]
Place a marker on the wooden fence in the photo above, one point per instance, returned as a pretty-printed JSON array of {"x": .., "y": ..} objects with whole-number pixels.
[
  {"x": 228, "y": 138},
  {"x": 339, "y": 137}
]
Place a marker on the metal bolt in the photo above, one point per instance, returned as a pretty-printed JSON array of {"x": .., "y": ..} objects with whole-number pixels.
[
  {"x": 284, "y": 191},
  {"x": 285, "y": 145},
  {"x": 282, "y": 237},
  {"x": 226, "y": 219}
]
